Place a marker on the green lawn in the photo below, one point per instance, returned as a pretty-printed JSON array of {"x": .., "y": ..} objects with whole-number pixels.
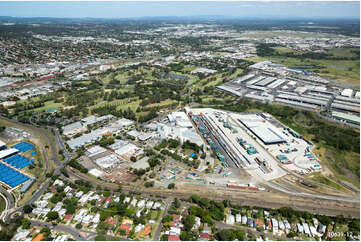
[
  {"x": 347, "y": 71},
  {"x": 2, "y": 204},
  {"x": 48, "y": 105},
  {"x": 319, "y": 178}
]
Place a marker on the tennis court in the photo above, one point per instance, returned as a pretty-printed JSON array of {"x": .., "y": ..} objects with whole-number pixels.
[
  {"x": 11, "y": 177},
  {"x": 18, "y": 161},
  {"x": 23, "y": 147}
]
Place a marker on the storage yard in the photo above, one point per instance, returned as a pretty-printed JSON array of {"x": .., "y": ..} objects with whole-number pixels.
[
  {"x": 273, "y": 83},
  {"x": 255, "y": 143}
]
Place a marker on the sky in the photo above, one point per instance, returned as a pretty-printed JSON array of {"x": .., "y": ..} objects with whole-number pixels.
[{"x": 265, "y": 9}]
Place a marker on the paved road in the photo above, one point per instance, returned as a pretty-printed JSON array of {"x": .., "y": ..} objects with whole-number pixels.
[
  {"x": 54, "y": 156},
  {"x": 76, "y": 233},
  {"x": 9, "y": 198},
  {"x": 59, "y": 142},
  {"x": 159, "y": 229}
]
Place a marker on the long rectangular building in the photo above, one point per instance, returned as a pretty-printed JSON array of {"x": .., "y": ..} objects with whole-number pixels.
[
  {"x": 267, "y": 134},
  {"x": 345, "y": 107},
  {"x": 276, "y": 83},
  {"x": 346, "y": 117},
  {"x": 265, "y": 81}
]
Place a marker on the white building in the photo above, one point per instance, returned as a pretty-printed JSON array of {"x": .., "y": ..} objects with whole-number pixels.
[
  {"x": 230, "y": 219},
  {"x": 347, "y": 92}
]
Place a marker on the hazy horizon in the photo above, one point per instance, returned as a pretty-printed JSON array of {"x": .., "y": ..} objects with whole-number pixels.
[{"x": 114, "y": 10}]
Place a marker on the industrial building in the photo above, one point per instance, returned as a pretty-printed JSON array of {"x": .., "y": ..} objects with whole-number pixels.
[
  {"x": 255, "y": 142},
  {"x": 273, "y": 83},
  {"x": 263, "y": 130},
  {"x": 353, "y": 119}
]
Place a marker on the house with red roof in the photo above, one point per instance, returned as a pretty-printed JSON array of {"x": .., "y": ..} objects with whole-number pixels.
[
  {"x": 176, "y": 217},
  {"x": 258, "y": 222},
  {"x": 269, "y": 224},
  {"x": 204, "y": 236},
  {"x": 126, "y": 228},
  {"x": 111, "y": 221},
  {"x": 173, "y": 238},
  {"x": 68, "y": 217}
]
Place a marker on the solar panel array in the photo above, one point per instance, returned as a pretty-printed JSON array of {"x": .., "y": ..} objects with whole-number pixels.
[
  {"x": 23, "y": 147},
  {"x": 18, "y": 161},
  {"x": 11, "y": 177}
]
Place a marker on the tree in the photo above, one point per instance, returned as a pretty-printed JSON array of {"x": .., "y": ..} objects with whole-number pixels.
[
  {"x": 133, "y": 159},
  {"x": 149, "y": 184},
  {"x": 78, "y": 226},
  {"x": 167, "y": 218},
  {"x": 100, "y": 237},
  {"x": 171, "y": 186},
  {"x": 52, "y": 215},
  {"x": 46, "y": 231},
  {"x": 188, "y": 222},
  {"x": 176, "y": 203},
  {"x": 28, "y": 209},
  {"x": 164, "y": 237},
  {"x": 25, "y": 223}
]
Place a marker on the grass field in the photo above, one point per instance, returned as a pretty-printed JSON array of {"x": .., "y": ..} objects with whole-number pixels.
[
  {"x": 319, "y": 178},
  {"x": 346, "y": 71},
  {"x": 48, "y": 105},
  {"x": 2, "y": 204}
]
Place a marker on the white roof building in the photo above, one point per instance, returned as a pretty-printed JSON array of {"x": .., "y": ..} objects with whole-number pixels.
[
  {"x": 244, "y": 219},
  {"x": 230, "y": 219},
  {"x": 134, "y": 202},
  {"x": 108, "y": 161},
  {"x": 174, "y": 231},
  {"x": 197, "y": 222},
  {"x": 156, "y": 205},
  {"x": 95, "y": 150},
  {"x": 180, "y": 119},
  {"x": 87, "y": 219},
  {"x": 299, "y": 228},
  {"x": 62, "y": 212},
  {"x": 72, "y": 129},
  {"x": 141, "y": 204},
  {"x": 281, "y": 225},
  {"x": 21, "y": 235},
  {"x": 8, "y": 152},
  {"x": 138, "y": 228},
  {"x": 58, "y": 182},
  {"x": 149, "y": 204},
  {"x": 357, "y": 95},
  {"x": 96, "y": 218},
  {"x": 79, "y": 194},
  {"x": 127, "y": 149},
  {"x": 95, "y": 172},
  {"x": 47, "y": 196},
  {"x": 125, "y": 122},
  {"x": 347, "y": 92},
  {"x": 306, "y": 229},
  {"x": 238, "y": 218},
  {"x": 313, "y": 231}
]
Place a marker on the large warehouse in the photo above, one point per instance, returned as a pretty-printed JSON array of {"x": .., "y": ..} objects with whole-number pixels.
[{"x": 263, "y": 130}]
